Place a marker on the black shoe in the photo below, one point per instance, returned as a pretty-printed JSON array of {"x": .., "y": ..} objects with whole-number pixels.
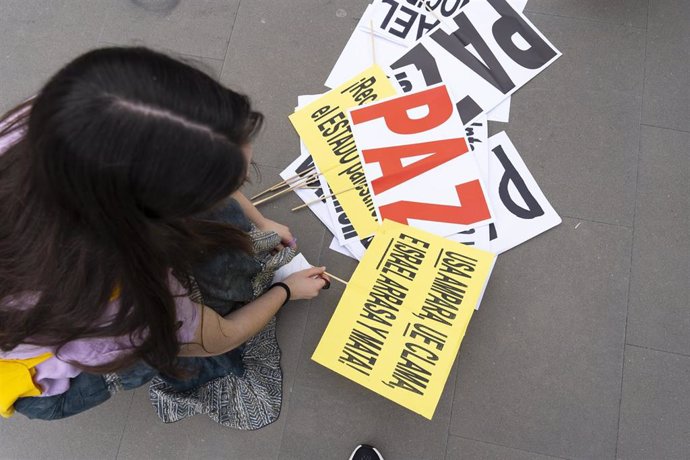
[{"x": 365, "y": 452}]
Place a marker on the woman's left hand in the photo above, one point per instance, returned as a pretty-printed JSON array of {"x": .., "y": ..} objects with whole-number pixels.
[{"x": 286, "y": 238}]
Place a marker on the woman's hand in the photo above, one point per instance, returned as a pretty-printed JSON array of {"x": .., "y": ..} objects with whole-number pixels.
[
  {"x": 286, "y": 238},
  {"x": 307, "y": 284},
  {"x": 216, "y": 334}
]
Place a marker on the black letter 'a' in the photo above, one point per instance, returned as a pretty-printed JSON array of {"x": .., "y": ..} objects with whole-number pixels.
[
  {"x": 456, "y": 44},
  {"x": 511, "y": 175},
  {"x": 510, "y": 23}
]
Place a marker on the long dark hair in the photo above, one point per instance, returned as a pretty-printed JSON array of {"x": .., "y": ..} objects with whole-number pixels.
[{"x": 121, "y": 151}]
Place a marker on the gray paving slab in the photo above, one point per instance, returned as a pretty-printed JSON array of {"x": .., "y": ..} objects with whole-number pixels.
[
  {"x": 468, "y": 449},
  {"x": 659, "y": 314},
  {"x": 667, "y": 94},
  {"x": 581, "y": 147},
  {"x": 37, "y": 38},
  {"x": 576, "y": 125},
  {"x": 540, "y": 366},
  {"x": 193, "y": 28},
  {"x": 655, "y": 409},
  {"x": 596, "y": 56},
  {"x": 90, "y": 435},
  {"x": 624, "y": 12},
  {"x": 330, "y": 421},
  {"x": 146, "y": 437},
  {"x": 280, "y": 50}
]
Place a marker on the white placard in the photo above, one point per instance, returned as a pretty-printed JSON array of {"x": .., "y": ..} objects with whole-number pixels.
[
  {"x": 476, "y": 237},
  {"x": 354, "y": 249},
  {"x": 344, "y": 231},
  {"x": 396, "y": 26},
  {"x": 485, "y": 53},
  {"x": 319, "y": 208},
  {"x": 337, "y": 247},
  {"x": 501, "y": 112},
  {"x": 521, "y": 209},
  {"x": 298, "y": 263},
  {"x": 358, "y": 247},
  {"x": 477, "y": 134}
]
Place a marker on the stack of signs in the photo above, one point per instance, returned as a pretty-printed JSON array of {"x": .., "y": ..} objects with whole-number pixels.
[
  {"x": 395, "y": 26},
  {"x": 324, "y": 128},
  {"x": 407, "y": 172}
]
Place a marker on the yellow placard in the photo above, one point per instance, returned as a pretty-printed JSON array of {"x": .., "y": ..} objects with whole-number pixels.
[
  {"x": 399, "y": 324},
  {"x": 324, "y": 127}
]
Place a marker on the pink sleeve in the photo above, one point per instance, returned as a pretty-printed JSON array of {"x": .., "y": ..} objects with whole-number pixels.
[
  {"x": 101, "y": 350},
  {"x": 53, "y": 375},
  {"x": 10, "y": 139},
  {"x": 187, "y": 311}
]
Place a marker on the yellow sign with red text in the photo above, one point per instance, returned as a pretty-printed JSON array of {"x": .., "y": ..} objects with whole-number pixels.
[{"x": 324, "y": 127}]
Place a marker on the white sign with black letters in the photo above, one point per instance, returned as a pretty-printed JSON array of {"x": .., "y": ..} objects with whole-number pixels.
[
  {"x": 521, "y": 211},
  {"x": 394, "y": 26},
  {"x": 485, "y": 53},
  {"x": 477, "y": 134}
]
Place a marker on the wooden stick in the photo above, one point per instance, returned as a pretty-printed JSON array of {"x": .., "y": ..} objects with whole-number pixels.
[
  {"x": 312, "y": 172},
  {"x": 432, "y": 12},
  {"x": 293, "y": 186},
  {"x": 336, "y": 278},
  {"x": 313, "y": 175},
  {"x": 289, "y": 181},
  {"x": 285, "y": 182},
  {"x": 373, "y": 43},
  {"x": 307, "y": 172},
  {"x": 322, "y": 198}
]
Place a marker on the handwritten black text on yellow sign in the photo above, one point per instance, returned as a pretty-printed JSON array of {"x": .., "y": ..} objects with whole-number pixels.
[{"x": 399, "y": 324}]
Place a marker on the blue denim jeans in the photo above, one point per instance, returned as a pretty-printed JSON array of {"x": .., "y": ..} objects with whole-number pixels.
[
  {"x": 85, "y": 391},
  {"x": 90, "y": 390}
]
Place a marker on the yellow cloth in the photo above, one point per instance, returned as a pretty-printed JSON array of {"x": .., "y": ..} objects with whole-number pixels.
[
  {"x": 16, "y": 381},
  {"x": 116, "y": 293},
  {"x": 16, "y": 376}
]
